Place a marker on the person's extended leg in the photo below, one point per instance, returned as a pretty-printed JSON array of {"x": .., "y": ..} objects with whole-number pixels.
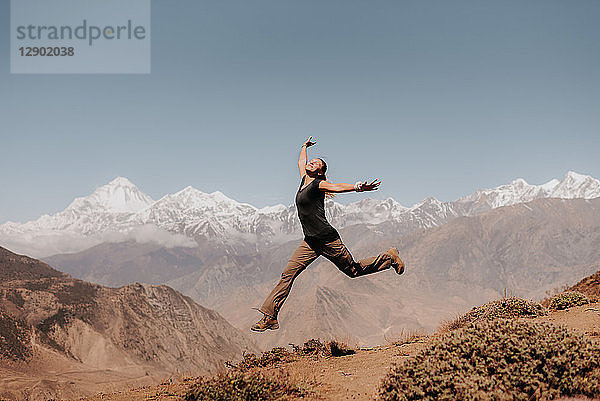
[
  {"x": 337, "y": 253},
  {"x": 302, "y": 257}
]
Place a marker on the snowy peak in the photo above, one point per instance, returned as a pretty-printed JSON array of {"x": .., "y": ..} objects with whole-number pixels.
[
  {"x": 275, "y": 209},
  {"x": 429, "y": 201},
  {"x": 576, "y": 185},
  {"x": 118, "y": 196},
  {"x": 572, "y": 175},
  {"x": 519, "y": 183},
  {"x": 121, "y": 182},
  {"x": 572, "y": 186},
  {"x": 191, "y": 198},
  {"x": 550, "y": 185}
]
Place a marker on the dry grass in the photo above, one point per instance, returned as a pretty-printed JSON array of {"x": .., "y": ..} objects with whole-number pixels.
[
  {"x": 449, "y": 324},
  {"x": 406, "y": 336}
]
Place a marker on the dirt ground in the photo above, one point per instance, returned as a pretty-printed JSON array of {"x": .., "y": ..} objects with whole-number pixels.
[
  {"x": 583, "y": 319},
  {"x": 52, "y": 375},
  {"x": 351, "y": 377}
]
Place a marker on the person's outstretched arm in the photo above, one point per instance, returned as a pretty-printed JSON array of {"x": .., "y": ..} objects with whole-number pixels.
[
  {"x": 303, "y": 157},
  {"x": 343, "y": 187}
]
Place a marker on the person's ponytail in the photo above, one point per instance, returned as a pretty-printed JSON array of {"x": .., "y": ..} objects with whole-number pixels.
[{"x": 321, "y": 176}]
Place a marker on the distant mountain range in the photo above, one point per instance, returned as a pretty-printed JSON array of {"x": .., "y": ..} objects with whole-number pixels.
[
  {"x": 458, "y": 254},
  {"x": 227, "y": 255},
  {"x": 119, "y": 211}
]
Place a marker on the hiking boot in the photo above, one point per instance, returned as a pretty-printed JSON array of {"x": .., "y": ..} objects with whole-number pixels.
[
  {"x": 266, "y": 323},
  {"x": 397, "y": 263}
]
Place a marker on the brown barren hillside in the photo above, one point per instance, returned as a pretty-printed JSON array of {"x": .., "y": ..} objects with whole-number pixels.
[
  {"x": 589, "y": 285},
  {"x": 19, "y": 267},
  {"x": 63, "y": 337}
]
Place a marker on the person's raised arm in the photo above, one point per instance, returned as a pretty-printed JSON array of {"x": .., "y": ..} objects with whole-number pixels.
[
  {"x": 343, "y": 187},
  {"x": 303, "y": 157}
]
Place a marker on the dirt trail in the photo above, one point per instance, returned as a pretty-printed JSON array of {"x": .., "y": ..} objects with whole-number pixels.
[{"x": 352, "y": 377}]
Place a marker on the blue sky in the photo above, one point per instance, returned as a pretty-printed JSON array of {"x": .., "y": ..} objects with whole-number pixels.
[{"x": 436, "y": 98}]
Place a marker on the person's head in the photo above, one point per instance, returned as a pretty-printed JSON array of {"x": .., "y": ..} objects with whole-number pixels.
[{"x": 316, "y": 168}]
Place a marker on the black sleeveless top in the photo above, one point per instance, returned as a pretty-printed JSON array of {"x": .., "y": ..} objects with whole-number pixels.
[{"x": 310, "y": 202}]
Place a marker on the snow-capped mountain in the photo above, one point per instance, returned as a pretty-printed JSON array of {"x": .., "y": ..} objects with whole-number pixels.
[
  {"x": 120, "y": 207},
  {"x": 118, "y": 196},
  {"x": 575, "y": 186},
  {"x": 195, "y": 213},
  {"x": 107, "y": 208},
  {"x": 572, "y": 186},
  {"x": 365, "y": 211}
]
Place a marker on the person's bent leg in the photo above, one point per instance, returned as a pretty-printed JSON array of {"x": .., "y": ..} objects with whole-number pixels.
[
  {"x": 302, "y": 257},
  {"x": 337, "y": 253}
]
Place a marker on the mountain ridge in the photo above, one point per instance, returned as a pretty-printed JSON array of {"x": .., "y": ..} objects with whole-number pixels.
[{"x": 118, "y": 211}]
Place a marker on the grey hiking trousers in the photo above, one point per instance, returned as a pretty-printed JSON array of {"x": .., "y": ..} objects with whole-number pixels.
[{"x": 305, "y": 254}]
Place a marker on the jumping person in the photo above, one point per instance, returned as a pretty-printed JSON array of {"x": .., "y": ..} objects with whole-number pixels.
[{"x": 320, "y": 238}]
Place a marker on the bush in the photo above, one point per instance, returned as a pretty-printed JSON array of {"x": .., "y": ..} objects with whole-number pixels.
[
  {"x": 268, "y": 358},
  {"x": 237, "y": 386},
  {"x": 310, "y": 347},
  {"x": 498, "y": 360},
  {"x": 337, "y": 348},
  {"x": 568, "y": 299},
  {"x": 505, "y": 308},
  {"x": 330, "y": 348},
  {"x": 279, "y": 355}
]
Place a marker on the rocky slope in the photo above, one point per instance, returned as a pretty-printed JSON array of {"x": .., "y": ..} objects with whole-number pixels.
[{"x": 57, "y": 328}]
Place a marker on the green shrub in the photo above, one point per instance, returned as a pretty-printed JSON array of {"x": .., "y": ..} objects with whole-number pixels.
[
  {"x": 237, "y": 386},
  {"x": 505, "y": 308},
  {"x": 498, "y": 360},
  {"x": 568, "y": 299}
]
